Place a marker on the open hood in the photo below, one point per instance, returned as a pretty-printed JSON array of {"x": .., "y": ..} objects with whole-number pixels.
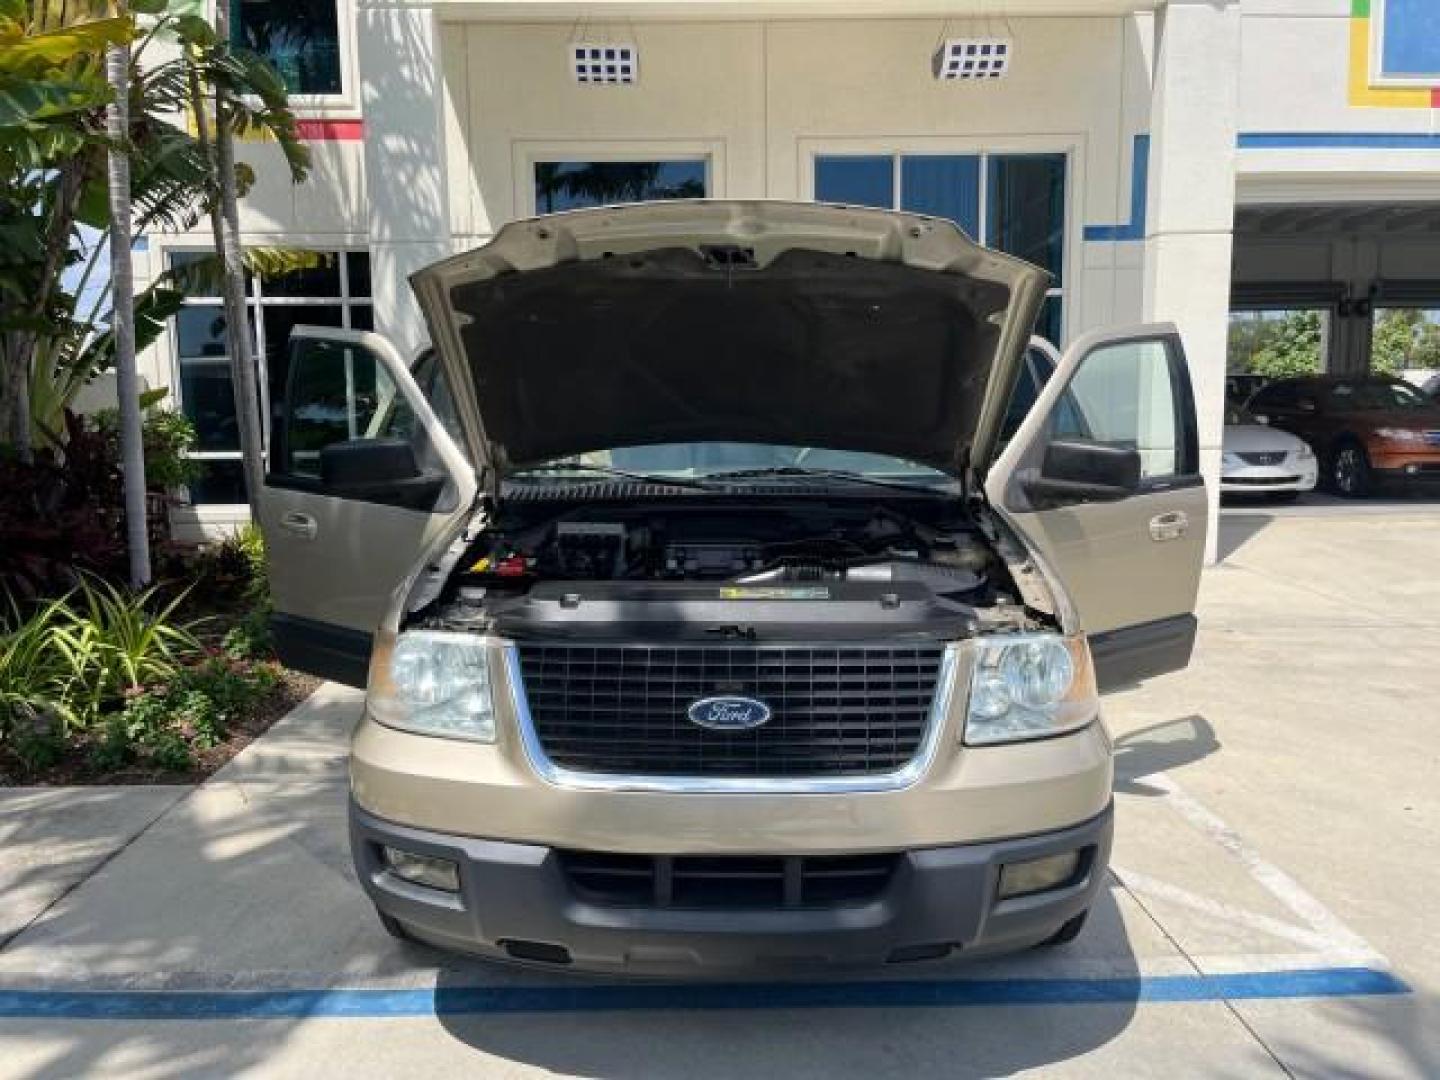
[{"x": 745, "y": 321}]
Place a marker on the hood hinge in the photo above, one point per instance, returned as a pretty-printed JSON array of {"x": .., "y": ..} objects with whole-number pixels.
[
  {"x": 489, "y": 471},
  {"x": 972, "y": 487}
]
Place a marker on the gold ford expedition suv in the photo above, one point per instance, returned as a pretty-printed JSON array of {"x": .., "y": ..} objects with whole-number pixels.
[{"x": 719, "y": 608}]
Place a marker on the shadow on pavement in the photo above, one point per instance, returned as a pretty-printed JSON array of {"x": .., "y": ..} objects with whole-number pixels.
[
  {"x": 1160, "y": 748},
  {"x": 1353, "y": 1038},
  {"x": 1237, "y": 529},
  {"x": 862, "y": 1039}
]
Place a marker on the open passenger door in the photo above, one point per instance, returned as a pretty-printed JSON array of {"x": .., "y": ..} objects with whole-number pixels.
[
  {"x": 1103, "y": 480},
  {"x": 363, "y": 478}
]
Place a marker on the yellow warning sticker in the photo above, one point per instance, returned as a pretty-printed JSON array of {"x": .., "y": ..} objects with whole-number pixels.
[{"x": 773, "y": 592}]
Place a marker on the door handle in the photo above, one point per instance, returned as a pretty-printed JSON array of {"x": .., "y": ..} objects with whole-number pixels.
[
  {"x": 302, "y": 525},
  {"x": 1169, "y": 526}
]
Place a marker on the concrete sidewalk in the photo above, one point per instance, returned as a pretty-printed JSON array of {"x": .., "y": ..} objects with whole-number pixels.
[{"x": 1279, "y": 814}]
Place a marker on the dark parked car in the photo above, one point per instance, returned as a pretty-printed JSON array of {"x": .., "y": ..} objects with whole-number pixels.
[
  {"x": 1239, "y": 389},
  {"x": 1366, "y": 428}
]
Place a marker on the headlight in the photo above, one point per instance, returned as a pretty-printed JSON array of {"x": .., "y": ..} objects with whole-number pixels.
[
  {"x": 1232, "y": 460},
  {"x": 435, "y": 683},
  {"x": 1029, "y": 686},
  {"x": 1398, "y": 434},
  {"x": 1304, "y": 453}
]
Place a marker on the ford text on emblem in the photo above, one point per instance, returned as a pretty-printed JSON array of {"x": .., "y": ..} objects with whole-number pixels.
[{"x": 728, "y": 713}]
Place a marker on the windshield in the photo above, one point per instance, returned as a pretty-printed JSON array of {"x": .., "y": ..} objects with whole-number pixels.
[
  {"x": 698, "y": 460},
  {"x": 1375, "y": 394}
]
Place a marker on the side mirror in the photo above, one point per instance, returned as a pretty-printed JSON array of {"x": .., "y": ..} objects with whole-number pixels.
[
  {"x": 378, "y": 470},
  {"x": 1079, "y": 472}
]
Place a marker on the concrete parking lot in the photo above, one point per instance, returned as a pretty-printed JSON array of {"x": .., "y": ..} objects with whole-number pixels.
[{"x": 1269, "y": 912}]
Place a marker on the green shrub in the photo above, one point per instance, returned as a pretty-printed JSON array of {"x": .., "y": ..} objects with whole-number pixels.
[
  {"x": 169, "y": 750},
  {"x": 165, "y": 725},
  {"x": 168, "y": 437},
  {"x": 122, "y": 671},
  {"x": 233, "y": 686},
  {"x": 250, "y": 542},
  {"x": 34, "y": 678},
  {"x": 112, "y": 642},
  {"x": 250, "y": 638},
  {"x": 232, "y": 574}
]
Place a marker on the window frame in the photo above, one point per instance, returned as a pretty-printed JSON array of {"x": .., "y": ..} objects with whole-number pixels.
[
  {"x": 1187, "y": 469},
  {"x": 983, "y": 149},
  {"x": 346, "y": 104},
  {"x": 528, "y": 154},
  {"x": 1283, "y": 299},
  {"x": 255, "y": 303},
  {"x": 283, "y": 473},
  {"x": 1423, "y": 297}
]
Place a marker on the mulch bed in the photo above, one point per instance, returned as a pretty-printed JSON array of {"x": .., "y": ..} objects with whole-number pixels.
[{"x": 75, "y": 768}]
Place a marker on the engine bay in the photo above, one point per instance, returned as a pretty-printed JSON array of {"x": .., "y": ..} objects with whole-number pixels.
[
  {"x": 755, "y": 544},
  {"x": 731, "y": 567}
]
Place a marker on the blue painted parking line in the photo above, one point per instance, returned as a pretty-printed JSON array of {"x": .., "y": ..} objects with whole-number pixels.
[{"x": 463, "y": 1000}]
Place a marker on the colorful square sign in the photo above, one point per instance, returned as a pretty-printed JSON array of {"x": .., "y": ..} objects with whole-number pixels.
[{"x": 1395, "y": 54}]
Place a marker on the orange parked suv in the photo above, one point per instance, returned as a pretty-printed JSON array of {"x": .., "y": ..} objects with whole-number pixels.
[{"x": 1366, "y": 428}]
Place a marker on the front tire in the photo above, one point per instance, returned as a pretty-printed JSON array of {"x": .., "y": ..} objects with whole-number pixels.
[{"x": 1350, "y": 471}]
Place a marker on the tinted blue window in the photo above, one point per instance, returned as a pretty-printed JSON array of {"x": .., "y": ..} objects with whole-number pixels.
[
  {"x": 947, "y": 187},
  {"x": 221, "y": 480},
  {"x": 569, "y": 185},
  {"x": 1050, "y": 323},
  {"x": 299, "y": 38},
  {"x": 1026, "y": 208},
  {"x": 1024, "y": 195},
  {"x": 861, "y": 181},
  {"x": 1412, "y": 38}
]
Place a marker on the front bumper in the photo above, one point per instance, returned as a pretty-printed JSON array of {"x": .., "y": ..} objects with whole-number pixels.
[
  {"x": 1417, "y": 466},
  {"x": 1292, "y": 475},
  {"x": 516, "y": 903}
]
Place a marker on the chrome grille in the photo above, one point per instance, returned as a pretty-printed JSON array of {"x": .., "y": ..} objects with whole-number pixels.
[
  {"x": 1266, "y": 457},
  {"x": 836, "y": 711}
]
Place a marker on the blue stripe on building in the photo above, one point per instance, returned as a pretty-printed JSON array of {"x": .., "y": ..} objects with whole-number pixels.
[{"x": 1134, "y": 229}]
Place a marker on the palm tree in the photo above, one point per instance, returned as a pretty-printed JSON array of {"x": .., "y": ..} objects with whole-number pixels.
[
  {"x": 122, "y": 314},
  {"x": 219, "y": 152},
  {"x": 53, "y": 144},
  {"x": 52, "y": 83}
]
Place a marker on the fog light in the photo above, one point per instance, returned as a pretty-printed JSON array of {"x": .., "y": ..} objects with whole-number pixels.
[
  {"x": 424, "y": 870},
  {"x": 1037, "y": 875}
]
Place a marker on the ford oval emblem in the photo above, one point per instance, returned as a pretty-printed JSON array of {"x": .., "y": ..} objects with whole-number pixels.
[{"x": 728, "y": 713}]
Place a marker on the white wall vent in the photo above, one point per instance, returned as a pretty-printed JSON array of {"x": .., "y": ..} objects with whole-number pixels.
[
  {"x": 973, "y": 58},
  {"x": 604, "y": 63}
]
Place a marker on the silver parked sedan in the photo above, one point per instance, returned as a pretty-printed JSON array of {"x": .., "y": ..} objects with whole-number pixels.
[{"x": 1262, "y": 460}]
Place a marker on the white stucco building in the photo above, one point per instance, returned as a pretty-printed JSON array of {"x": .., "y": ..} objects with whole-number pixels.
[{"x": 1166, "y": 160}]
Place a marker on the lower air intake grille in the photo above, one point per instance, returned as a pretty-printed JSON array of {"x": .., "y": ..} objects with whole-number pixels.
[
  {"x": 752, "y": 882},
  {"x": 852, "y": 710},
  {"x": 1263, "y": 457}
]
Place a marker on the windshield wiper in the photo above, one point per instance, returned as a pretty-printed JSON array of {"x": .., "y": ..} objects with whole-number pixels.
[
  {"x": 604, "y": 470},
  {"x": 799, "y": 472}
]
